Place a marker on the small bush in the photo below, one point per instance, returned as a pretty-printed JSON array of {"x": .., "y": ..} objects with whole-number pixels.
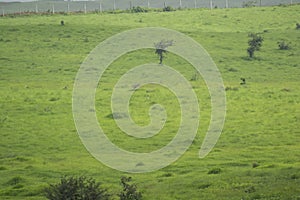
[
  {"x": 283, "y": 45},
  {"x": 204, "y": 186},
  {"x": 255, "y": 164},
  {"x": 297, "y": 26},
  {"x": 86, "y": 39},
  {"x": 215, "y": 171},
  {"x": 294, "y": 176},
  {"x": 168, "y": 174},
  {"x": 76, "y": 189},
  {"x": 138, "y": 9},
  {"x": 15, "y": 180},
  {"x": 53, "y": 99},
  {"x": 129, "y": 191},
  {"x": 250, "y": 189},
  {"x": 232, "y": 70},
  {"x": 168, "y": 9}
]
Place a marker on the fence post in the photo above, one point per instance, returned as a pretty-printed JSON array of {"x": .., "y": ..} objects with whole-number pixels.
[
  {"x": 53, "y": 10},
  {"x": 211, "y": 4},
  {"x": 195, "y": 4},
  {"x": 130, "y": 5},
  {"x": 260, "y": 3},
  {"x": 100, "y": 7},
  {"x": 114, "y": 4},
  {"x": 3, "y": 13},
  {"x": 291, "y": 1},
  {"x": 165, "y": 4},
  {"x": 84, "y": 8},
  {"x": 180, "y": 4},
  {"x": 148, "y": 4},
  {"x": 226, "y": 4},
  {"x": 68, "y": 7},
  {"x": 36, "y": 8}
]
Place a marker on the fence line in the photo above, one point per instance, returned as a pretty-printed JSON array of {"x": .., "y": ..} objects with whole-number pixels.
[{"x": 106, "y": 5}]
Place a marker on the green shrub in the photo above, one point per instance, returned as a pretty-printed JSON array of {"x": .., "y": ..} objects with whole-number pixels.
[
  {"x": 74, "y": 188},
  {"x": 138, "y": 9},
  {"x": 129, "y": 191},
  {"x": 297, "y": 26},
  {"x": 15, "y": 180},
  {"x": 255, "y": 164},
  {"x": 255, "y": 42},
  {"x": 283, "y": 45},
  {"x": 250, "y": 189},
  {"x": 168, "y": 9},
  {"x": 215, "y": 171}
]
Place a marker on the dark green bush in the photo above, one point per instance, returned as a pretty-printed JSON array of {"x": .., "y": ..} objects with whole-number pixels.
[
  {"x": 129, "y": 191},
  {"x": 15, "y": 180},
  {"x": 74, "y": 188},
  {"x": 283, "y": 45},
  {"x": 215, "y": 171},
  {"x": 138, "y": 9},
  {"x": 255, "y": 164},
  {"x": 255, "y": 42},
  {"x": 168, "y": 9}
]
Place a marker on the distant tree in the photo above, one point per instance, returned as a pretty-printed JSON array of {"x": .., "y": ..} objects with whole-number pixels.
[
  {"x": 129, "y": 191},
  {"x": 255, "y": 42},
  {"x": 74, "y": 188},
  {"x": 161, "y": 48}
]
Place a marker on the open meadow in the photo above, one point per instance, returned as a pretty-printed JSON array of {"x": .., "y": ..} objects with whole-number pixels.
[{"x": 257, "y": 155}]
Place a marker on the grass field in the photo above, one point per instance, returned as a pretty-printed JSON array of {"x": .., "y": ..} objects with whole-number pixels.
[{"x": 257, "y": 155}]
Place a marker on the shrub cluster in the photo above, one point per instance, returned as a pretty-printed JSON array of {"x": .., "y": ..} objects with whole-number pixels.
[
  {"x": 76, "y": 188},
  {"x": 168, "y": 9},
  {"x": 138, "y": 9},
  {"x": 82, "y": 188}
]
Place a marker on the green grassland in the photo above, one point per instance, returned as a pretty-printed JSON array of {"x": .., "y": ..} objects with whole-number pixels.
[{"x": 39, "y": 143}]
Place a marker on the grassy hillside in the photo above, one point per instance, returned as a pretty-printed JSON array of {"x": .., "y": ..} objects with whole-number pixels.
[{"x": 257, "y": 155}]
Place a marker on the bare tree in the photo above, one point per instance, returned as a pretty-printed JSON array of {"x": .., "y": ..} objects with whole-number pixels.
[{"x": 161, "y": 48}]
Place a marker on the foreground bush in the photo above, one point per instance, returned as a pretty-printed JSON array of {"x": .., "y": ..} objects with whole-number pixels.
[
  {"x": 73, "y": 188},
  {"x": 129, "y": 190}
]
